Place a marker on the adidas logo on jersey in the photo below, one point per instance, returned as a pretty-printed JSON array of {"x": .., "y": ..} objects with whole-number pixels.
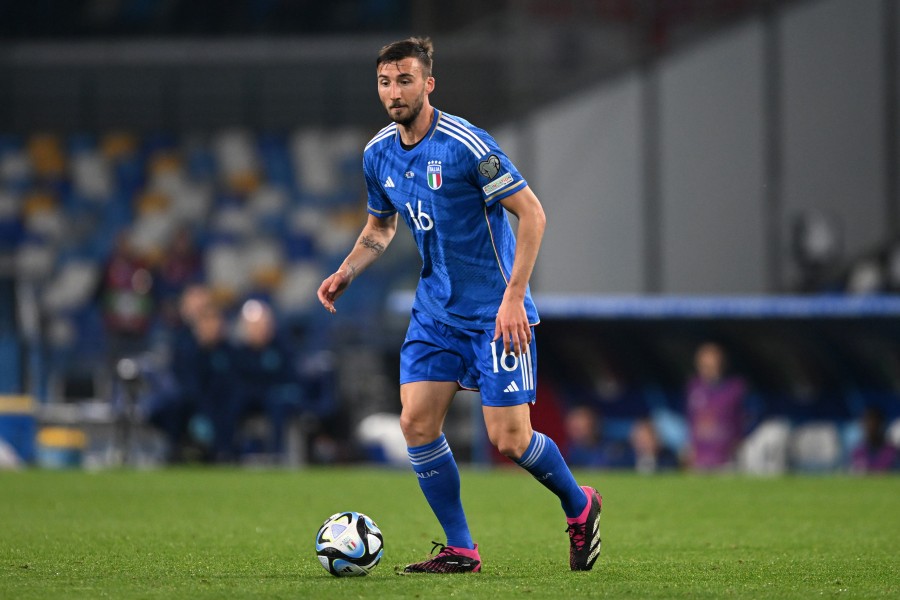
[
  {"x": 389, "y": 183},
  {"x": 512, "y": 387}
]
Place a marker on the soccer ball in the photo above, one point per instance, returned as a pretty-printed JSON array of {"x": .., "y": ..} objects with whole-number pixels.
[{"x": 349, "y": 544}]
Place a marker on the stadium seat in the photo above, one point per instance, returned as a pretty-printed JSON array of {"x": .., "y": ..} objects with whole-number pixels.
[
  {"x": 224, "y": 270},
  {"x": 48, "y": 158},
  {"x": 297, "y": 293},
  {"x": 236, "y": 154},
  {"x": 276, "y": 161},
  {"x": 35, "y": 260},
  {"x": 312, "y": 164},
  {"x": 264, "y": 259},
  {"x": 92, "y": 177},
  {"x": 765, "y": 450},
  {"x": 269, "y": 205},
  {"x": 815, "y": 447},
  {"x": 15, "y": 170},
  {"x": 151, "y": 201},
  {"x": 118, "y": 145},
  {"x": 72, "y": 288},
  {"x": 151, "y": 233},
  {"x": 234, "y": 222},
  {"x": 10, "y": 223}
]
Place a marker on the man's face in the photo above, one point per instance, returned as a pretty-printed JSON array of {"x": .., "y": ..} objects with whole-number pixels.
[
  {"x": 710, "y": 363},
  {"x": 402, "y": 88}
]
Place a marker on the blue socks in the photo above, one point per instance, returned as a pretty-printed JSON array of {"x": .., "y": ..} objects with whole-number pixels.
[
  {"x": 439, "y": 479},
  {"x": 544, "y": 461}
]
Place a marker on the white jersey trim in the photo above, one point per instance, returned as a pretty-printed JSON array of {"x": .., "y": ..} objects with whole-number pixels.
[
  {"x": 448, "y": 124},
  {"x": 384, "y": 133}
]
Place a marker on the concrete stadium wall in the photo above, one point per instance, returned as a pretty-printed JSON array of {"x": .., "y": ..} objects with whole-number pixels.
[{"x": 677, "y": 199}]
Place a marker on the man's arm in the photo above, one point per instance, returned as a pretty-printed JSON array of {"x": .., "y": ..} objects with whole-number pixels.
[
  {"x": 512, "y": 321},
  {"x": 372, "y": 242}
]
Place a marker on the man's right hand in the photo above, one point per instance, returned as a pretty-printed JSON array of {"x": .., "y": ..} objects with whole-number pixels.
[{"x": 332, "y": 288}]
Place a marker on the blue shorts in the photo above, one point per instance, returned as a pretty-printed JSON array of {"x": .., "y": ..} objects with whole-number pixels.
[{"x": 434, "y": 351}]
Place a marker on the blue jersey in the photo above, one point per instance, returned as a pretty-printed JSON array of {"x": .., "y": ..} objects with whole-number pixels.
[{"x": 448, "y": 190}]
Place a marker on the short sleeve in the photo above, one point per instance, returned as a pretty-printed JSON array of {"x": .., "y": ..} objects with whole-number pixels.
[
  {"x": 494, "y": 173},
  {"x": 378, "y": 203}
]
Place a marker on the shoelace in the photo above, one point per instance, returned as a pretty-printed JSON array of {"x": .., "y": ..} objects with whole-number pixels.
[
  {"x": 576, "y": 533},
  {"x": 444, "y": 549}
]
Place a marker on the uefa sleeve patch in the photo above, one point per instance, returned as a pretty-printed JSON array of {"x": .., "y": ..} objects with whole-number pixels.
[{"x": 497, "y": 184}]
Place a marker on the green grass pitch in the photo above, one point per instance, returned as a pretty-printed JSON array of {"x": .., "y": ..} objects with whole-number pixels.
[{"x": 231, "y": 533}]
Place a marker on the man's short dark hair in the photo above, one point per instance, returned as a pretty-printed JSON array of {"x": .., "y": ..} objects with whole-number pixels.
[{"x": 420, "y": 48}]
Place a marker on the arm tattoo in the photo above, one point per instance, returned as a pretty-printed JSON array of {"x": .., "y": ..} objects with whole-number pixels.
[{"x": 377, "y": 248}]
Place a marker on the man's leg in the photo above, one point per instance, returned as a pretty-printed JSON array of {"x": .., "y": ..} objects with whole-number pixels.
[
  {"x": 509, "y": 428},
  {"x": 425, "y": 404}
]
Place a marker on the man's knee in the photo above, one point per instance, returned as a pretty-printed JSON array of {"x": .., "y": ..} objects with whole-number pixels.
[
  {"x": 425, "y": 404},
  {"x": 419, "y": 430},
  {"x": 511, "y": 444},
  {"x": 509, "y": 429}
]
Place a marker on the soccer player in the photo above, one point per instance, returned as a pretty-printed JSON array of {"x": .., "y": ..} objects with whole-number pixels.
[{"x": 472, "y": 322}]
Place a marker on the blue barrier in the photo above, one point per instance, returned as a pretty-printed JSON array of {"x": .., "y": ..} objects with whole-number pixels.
[
  {"x": 717, "y": 307},
  {"x": 576, "y": 306}
]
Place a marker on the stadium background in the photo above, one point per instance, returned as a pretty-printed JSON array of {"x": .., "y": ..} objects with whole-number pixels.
[{"x": 699, "y": 161}]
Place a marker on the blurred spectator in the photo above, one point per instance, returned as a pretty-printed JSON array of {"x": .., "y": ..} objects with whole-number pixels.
[
  {"x": 198, "y": 331},
  {"x": 715, "y": 410},
  {"x": 585, "y": 444},
  {"x": 187, "y": 399},
  {"x": 875, "y": 453},
  {"x": 159, "y": 401},
  {"x": 267, "y": 379},
  {"x": 650, "y": 455},
  {"x": 126, "y": 299},
  {"x": 181, "y": 265},
  {"x": 206, "y": 372}
]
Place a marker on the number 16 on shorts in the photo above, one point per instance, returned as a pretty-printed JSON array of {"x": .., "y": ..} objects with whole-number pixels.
[{"x": 520, "y": 367}]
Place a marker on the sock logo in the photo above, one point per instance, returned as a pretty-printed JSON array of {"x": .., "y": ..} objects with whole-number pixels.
[
  {"x": 545, "y": 476},
  {"x": 427, "y": 474}
]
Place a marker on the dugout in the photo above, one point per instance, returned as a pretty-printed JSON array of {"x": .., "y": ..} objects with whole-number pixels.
[{"x": 806, "y": 359}]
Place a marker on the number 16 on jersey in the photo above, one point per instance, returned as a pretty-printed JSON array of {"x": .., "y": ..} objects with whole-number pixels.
[{"x": 421, "y": 219}]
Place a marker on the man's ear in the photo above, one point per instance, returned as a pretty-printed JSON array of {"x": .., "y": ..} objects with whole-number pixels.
[{"x": 429, "y": 85}]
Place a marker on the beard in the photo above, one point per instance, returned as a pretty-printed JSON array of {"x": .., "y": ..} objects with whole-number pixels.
[{"x": 412, "y": 111}]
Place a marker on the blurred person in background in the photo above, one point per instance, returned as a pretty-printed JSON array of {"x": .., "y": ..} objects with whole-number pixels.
[
  {"x": 192, "y": 303},
  {"x": 875, "y": 453},
  {"x": 127, "y": 300},
  {"x": 586, "y": 446},
  {"x": 181, "y": 265},
  {"x": 649, "y": 453},
  {"x": 189, "y": 342},
  {"x": 716, "y": 414},
  {"x": 473, "y": 312},
  {"x": 174, "y": 393},
  {"x": 206, "y": 372},
  {"x": 267, "y": 378}
]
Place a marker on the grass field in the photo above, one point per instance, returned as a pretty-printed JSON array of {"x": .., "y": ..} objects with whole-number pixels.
[{"x": 249, "y": 534}]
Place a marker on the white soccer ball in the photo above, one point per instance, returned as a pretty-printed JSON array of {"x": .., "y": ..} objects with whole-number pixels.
[{"x": 349, "y": 544}]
